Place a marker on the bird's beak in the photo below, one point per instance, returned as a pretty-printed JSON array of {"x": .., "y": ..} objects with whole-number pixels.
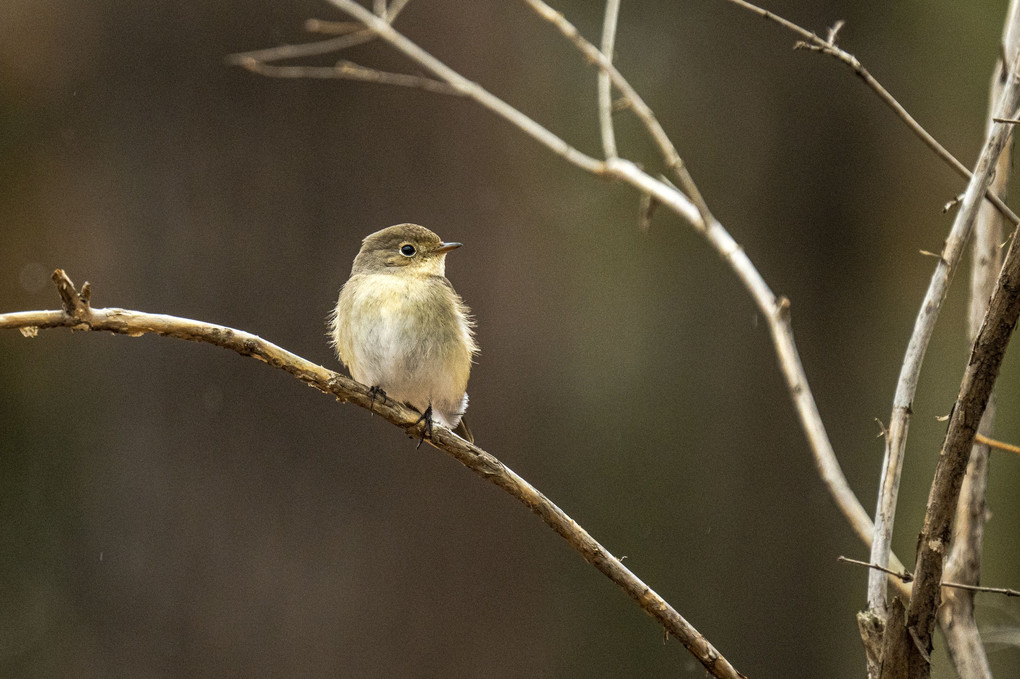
[{"x": 446, "y": 247}]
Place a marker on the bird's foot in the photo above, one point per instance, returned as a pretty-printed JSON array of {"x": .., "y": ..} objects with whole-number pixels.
[
  {"x": 375, "y": 392},
  {"x": 426, "y": 417}
]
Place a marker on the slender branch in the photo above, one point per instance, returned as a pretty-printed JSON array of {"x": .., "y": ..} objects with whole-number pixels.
[
  {"x": 346, "y": 70},
  {"x": 924, "y": 327},
  {"x": 307, "y": 49},
  {"x": 909, "y": 577},
  {"x": 79, "y": 315},
  {"x": 776, "y": 311},
  {"x": 813, "y": 42},
  {"x": 988, "y": 590},
  {"x": 605, "y": 84},
  {"x": 901, "y": 575},
  {"x": 333, "y": 27}
]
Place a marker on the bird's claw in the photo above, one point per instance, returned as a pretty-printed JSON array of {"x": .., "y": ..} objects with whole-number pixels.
[
  {"x": 375, "y": 392},
  {"x": 427, "y": 429}
]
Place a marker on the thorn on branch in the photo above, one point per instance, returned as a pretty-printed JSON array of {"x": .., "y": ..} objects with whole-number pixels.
[
  {"x": 75, "y": 303},
  {"x": 783, "y": 308}
]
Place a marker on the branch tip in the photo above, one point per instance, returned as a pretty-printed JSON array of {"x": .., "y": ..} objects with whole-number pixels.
[
  {"x": 834, "y": 31},
  {"x": 783, "y": 307}
]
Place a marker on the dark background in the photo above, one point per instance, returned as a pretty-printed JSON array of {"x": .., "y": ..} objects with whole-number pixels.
[{"x": 170, "y": 509}]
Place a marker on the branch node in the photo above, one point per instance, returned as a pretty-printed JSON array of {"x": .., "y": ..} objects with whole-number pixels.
[
  {"x": 783, "y": 308},
  {"x": 646, "y": 208}
]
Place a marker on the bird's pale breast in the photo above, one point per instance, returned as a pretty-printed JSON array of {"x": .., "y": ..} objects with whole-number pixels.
[{"x": 409, "y": 336}]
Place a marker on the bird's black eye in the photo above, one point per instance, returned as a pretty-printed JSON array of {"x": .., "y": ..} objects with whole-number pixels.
[{"x": 407, "y": 250}]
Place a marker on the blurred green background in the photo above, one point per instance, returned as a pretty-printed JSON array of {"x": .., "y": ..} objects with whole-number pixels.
[{"x": 170, "y": 509}]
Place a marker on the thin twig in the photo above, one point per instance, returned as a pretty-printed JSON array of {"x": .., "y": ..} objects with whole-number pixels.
[
  {"x": 908, "y": 577},
  {"x": 307, "y": 49},
  {"x": 978, "y": 588},
  {"x": 346, "y": 70},
  {"x": 902, "y": 575},
  {"x": 332, "y": 27},
  {"x": 1000, "y": 445},
  {"x": 310, "y": 49},
  {"x": 605, "y": 84},
  {"x": 817, "y": 44}
]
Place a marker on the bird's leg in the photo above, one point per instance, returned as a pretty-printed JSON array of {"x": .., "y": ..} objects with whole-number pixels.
[
  {"x": 375, "y": 392},
  {"x": 427, "y": 429}
]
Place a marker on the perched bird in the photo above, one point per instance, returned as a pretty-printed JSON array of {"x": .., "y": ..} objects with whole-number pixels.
[{"x": 400, "y": 327}]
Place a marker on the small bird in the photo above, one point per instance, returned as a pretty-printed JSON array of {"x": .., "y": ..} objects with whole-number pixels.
[{"x": 401, "y": 328}]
